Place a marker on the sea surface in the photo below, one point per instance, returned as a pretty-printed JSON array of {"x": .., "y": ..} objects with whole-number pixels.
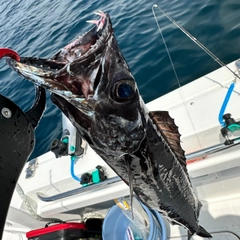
[{"x": 41, "y": 27}]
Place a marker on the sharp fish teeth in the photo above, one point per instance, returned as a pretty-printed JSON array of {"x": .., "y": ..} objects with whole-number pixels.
[
  {"x": 100, "y": 26},
  {"x": 99, "y": 22},
  {"x": 100, "y": 13},
  {"x": 93, "y": 21},
  {"x": 97, "y": 13},
  {"x": 99, "y": 10},
  {"x": 69, "y": 70}
]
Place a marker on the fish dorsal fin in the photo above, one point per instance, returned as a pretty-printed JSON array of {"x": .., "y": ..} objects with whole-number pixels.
[{"x": 169, "y": 131}]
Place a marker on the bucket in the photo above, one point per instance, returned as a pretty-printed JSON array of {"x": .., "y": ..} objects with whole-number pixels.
[{"x": 115, "y": 225}]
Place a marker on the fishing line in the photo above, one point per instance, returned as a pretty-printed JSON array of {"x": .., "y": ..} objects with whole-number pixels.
[
  {"x": 166, "y": 47},
  {"x": 175, "y": 73},
  {"x": 206, "y": 50},
  {"x": 195, "y": 40}
]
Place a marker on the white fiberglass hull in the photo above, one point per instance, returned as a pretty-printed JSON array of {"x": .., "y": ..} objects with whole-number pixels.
[{"x": 195, "y": 108}]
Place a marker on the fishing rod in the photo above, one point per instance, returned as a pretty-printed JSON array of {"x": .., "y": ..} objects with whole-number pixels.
[
  {"x": 195, "y": 40},
  {"x": 226, "y": 126}
]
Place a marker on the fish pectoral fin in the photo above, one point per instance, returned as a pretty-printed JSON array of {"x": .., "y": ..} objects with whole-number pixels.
[{"x": 169, "y": 131}]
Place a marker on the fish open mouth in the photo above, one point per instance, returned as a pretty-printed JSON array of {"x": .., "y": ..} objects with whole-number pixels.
[{"x": 73, "y": 70}]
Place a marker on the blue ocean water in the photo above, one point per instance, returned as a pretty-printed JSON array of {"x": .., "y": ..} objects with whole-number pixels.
[{"x": 41, "y": 28}]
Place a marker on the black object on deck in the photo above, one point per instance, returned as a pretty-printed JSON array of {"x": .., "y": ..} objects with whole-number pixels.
[{"x": 16, "y": 144}]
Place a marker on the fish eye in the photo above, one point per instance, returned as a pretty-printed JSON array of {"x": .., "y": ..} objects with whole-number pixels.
[{"x": 124, "y": 91}]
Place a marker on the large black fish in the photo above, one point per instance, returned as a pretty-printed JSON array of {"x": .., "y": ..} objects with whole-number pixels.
[{"x": 93, "y": 86}]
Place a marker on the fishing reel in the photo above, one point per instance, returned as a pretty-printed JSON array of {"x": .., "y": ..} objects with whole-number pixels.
[{"x": 230, "y": 126}]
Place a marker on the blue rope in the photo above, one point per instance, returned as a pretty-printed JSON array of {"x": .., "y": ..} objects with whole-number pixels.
[
  {"x": 72, "y": 169},
  {"x": 224, "y": 105}
]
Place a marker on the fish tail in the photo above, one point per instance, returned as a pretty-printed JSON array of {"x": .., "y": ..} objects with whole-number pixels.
[{"x": 203, "y": 233}]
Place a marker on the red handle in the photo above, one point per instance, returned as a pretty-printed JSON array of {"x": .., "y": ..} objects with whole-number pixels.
[{"x": 6, "y": 52}]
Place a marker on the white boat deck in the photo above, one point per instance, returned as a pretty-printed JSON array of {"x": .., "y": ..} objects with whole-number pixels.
[{"x": 216, "y": 178}]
